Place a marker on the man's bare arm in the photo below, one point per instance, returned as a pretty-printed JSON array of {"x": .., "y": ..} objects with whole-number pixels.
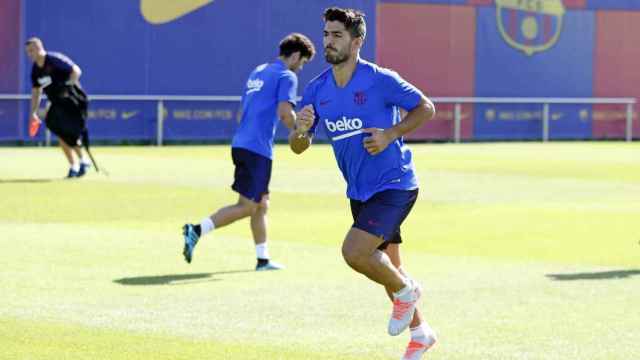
[
  {"x": 74, "y": 77},
  {"x": 425, "y": 111},
  {"x": 286, "y": 114},
  {"x": 380, "y": 139},
  {"x": 36, "y": 94}
]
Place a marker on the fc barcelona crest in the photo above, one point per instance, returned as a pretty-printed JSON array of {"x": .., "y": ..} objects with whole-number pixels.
[
  {"x": 530, "y": 25},
  {"x": 359, "y": 97}
]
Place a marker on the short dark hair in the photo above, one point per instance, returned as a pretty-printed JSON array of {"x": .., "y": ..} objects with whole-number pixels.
[
  {"x": 296, "y": 42},
  {"x": 353, "y": 20},
  {"x": 33, "y": 40}
]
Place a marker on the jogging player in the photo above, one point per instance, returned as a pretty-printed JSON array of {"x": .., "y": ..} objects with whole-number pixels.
[
  {"x": 357, "y": 104},
  {"x": 269, "y": 96}
]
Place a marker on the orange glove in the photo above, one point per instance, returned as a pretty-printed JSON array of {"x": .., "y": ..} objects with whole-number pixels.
[{"x": 34, "y": 125}]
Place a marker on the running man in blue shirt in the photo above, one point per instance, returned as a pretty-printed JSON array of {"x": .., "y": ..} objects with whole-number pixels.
[
  {"x": 270, "y": 95},
  {"x": 357, "y": 104}
]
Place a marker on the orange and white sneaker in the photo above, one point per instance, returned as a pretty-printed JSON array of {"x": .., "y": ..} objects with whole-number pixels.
[
  {"x": 419, "y": 346},
  {"x": 404, "y": 306}
]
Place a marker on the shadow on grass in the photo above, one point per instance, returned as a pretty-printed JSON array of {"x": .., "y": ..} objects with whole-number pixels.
[
  {"x": 27, "y": 181},
  {"x": 598, "y": 275},
  {"x": 175, "y": 279}
]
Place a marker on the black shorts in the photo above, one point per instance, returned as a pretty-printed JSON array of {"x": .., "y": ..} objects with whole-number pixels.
[
  {"x": 252, "y": 174},
  {"x": 383, "y": 213},
  {"x": 66, "y": 121}
]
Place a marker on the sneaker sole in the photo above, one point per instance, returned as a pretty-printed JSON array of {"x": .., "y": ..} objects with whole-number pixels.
[{"x": 268, "y": 269}]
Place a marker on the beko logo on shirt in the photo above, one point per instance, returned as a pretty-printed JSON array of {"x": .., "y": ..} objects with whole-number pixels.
[
  {"x": 254, "y": 85},
  {"x": 344, "y": 124}
]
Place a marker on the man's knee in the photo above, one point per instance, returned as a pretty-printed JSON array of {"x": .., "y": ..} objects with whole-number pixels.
[
  {"x": 349, "y": 253},
  {"x": 358, "y": 247},
  {"x": 247, "y": 206},
  {"x": 263, "y": 205}
]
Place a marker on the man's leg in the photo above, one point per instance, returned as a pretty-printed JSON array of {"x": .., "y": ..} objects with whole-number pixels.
[
  {"x": 66, "y": 149},
  {"x": 74, "y": 166},
  {"x": 259, "y": 223},
  {"x": 78, "y": 151},
  {"x": 259, "y": 231},
  {"x": 82, "y": 155},
  {"x": 360, "y": 251},
  {"x": 232, "y": 213},
  {"x": 84, "y": 161},
  {"x": 251, "y": 180},
  {"x": 422, "y": 336},
  {"x": 223, "y": 217}
]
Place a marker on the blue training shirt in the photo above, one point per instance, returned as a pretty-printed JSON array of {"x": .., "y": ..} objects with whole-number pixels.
[
  {"x": 268, "y": 85},
  {"x": 371, "y": 99}
]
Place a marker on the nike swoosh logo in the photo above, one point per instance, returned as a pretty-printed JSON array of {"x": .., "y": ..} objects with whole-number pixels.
[
  {"x": 324, "y": 102},
  {"x": 164, "y": 11},
  {"x": 128, "y": 114}
]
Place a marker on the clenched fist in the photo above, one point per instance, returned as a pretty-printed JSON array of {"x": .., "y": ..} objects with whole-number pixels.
[{"x": 305, "y": 119}]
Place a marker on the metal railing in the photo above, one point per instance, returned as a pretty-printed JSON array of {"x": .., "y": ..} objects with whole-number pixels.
[
  {"x": 160, "y": 105},
  {"x": 456, "y": 101}
]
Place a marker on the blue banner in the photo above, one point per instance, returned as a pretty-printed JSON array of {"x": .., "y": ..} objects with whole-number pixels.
[
  {"x": 11, "y": 121},
  {"x": 148, "y": 47},
  {"x": 109, "y": 120},
  {"x": 200, "y": 120},
  {"x": 613, "y": 4},
  {"x": 520, "y": 53}
]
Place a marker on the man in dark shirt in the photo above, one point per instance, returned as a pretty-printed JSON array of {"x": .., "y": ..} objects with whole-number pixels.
[{"x": 59, "y": 77}]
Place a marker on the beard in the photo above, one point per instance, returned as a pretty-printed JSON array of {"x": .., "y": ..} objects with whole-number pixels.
[{"x": 335, "y": 57}]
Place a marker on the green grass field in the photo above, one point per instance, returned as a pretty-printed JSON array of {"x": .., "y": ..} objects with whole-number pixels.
[{"x": 525, "y": 251}]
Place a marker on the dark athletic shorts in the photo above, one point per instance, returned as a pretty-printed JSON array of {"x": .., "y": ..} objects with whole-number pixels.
[
  {"x": 252, "y": 174},
  {"x": 383, "y": 213}
]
